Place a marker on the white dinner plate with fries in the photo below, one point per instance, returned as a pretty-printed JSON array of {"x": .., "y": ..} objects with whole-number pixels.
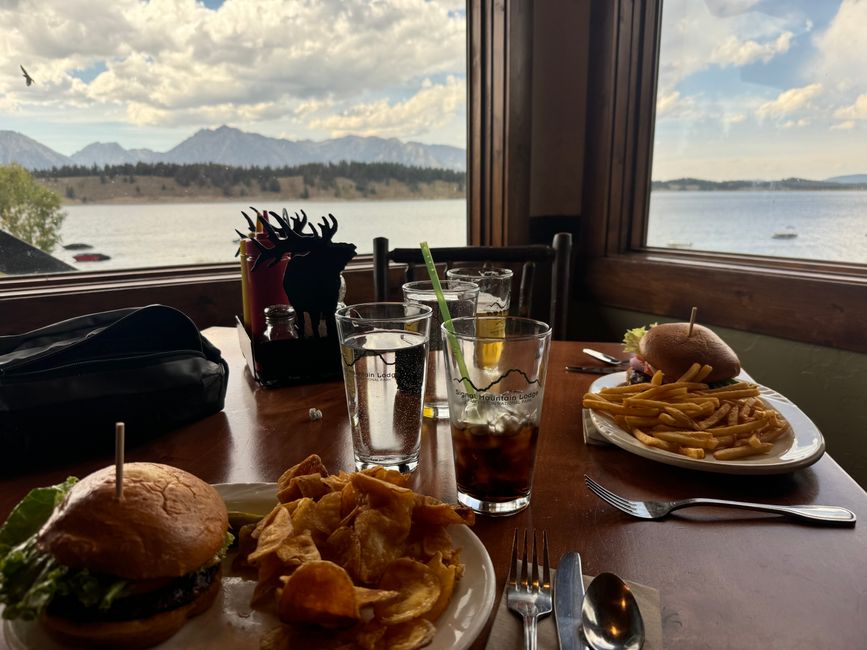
[
  {"x": 231, "y": 623},
  {"x": 800, "y": 445}
]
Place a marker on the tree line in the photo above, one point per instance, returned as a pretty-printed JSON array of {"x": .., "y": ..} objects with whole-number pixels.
[{"x": 314, "y": 174}]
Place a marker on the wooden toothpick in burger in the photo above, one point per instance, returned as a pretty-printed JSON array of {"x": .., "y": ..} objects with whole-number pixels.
[
  {"x": 692, "y": 315},
  {"x": 119, "y": 432}
]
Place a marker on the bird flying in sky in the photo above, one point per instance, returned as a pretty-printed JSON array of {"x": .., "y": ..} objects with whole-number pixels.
[{"x": 27, "y": 78}]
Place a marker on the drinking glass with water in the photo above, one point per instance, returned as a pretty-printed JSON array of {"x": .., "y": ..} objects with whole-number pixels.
[
  {"x": 461, "y": 298},
  {"x": 384, "y": 349}
]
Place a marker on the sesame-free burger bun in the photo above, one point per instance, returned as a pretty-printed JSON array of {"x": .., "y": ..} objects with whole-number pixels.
[
  {"x": 670, "y": 347},
  {"x": 167, "y": 523}
]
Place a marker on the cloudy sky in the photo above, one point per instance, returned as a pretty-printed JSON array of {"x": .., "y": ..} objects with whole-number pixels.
[
  {"x": 151, "y": 73},
  {"x": 762, "y": 89}
]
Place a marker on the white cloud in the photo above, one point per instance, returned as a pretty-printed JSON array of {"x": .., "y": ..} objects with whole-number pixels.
[
  {"x": 789, "y": 101},
  {"x": 736, "y": 118},
  {"x": 736, "y": 52},
  {"x": 430, "y": 107},
  {"x": 666, "y": 104},
  {"x": 843, "y": 126},
  {"x": 173, "y": 62},
  {"x": 857, "y": 111},
  {"x": 796, "y": 124},
  {"x": 842, "y": 49}
]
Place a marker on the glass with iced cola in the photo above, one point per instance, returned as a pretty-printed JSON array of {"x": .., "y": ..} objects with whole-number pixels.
[{"x": 495, "y": 405}]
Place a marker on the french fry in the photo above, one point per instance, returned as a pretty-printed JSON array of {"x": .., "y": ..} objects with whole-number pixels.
[
  {"x": 691, "y": 374},
  {"x": 687, "y": 440},
  {"x": 652, "y": 441},
  {"x": 689, "y": 418},
  {"x": 717, "y": 415},
  {"x": 704, "y": 372},
  {"x": 744, "y": 451}
]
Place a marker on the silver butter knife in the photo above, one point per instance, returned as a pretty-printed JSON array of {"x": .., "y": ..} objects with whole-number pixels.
[
  {"x": 568, "y": 596},
  {"x": 604, "y": 358},
  {"x": 594, "y": 370}
]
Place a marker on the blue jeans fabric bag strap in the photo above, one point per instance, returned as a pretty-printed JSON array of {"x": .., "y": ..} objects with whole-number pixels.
[{"x": 62, "y": 387}]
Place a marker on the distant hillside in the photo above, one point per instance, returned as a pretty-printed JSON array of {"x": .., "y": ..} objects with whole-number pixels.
[
  {"x": 236, "y": 148},
  {"x": 786, "y": 184},
  {"x": 169, "y": 182},
  {"x": 857, "y": 179}
]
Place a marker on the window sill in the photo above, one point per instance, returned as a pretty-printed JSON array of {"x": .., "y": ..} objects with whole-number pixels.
[
  {"x": 209, "y": 294},
  {"x": 823, "y": 304}
]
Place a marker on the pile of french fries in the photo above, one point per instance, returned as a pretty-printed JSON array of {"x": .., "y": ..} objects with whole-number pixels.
[{"x": 688, "y": 417}]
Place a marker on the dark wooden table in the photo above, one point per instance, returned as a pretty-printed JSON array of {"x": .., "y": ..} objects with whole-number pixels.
[{"x": 727, "y": 578}]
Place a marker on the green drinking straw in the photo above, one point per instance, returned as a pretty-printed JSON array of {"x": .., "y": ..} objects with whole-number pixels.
[{"x": 447, "y": 317}]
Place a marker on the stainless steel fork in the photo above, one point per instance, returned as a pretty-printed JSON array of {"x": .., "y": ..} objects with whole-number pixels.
[
  {"x": 527, "y": 594},
  {"x": 659, "y": 509}
]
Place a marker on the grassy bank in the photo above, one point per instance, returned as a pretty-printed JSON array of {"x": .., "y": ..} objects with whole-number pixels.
[{"x": 75, "y": 190}]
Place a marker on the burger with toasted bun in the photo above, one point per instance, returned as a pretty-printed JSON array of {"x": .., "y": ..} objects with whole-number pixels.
[
  {"x": 108, "y": 572},
  {"x": 673, "y": 348}
]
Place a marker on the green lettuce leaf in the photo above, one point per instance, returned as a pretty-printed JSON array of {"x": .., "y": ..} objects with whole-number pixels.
[
  {"x": 30, "y": 579},
  {"x": 29, "y": 515},
  {"x": 633, "y": 336}
]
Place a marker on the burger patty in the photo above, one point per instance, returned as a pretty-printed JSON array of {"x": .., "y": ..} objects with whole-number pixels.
[{"x": 176, "y": 593}]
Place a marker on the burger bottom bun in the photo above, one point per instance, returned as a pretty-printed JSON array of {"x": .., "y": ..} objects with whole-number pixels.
[{"x": 131, "y": 635}]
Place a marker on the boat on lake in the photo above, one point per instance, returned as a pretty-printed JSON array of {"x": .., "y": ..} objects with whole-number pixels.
[
  {"x": 90, "y": 257},
  {"x": 788, "y": 233}
]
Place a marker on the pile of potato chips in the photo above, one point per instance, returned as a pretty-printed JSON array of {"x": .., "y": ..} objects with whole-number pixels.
[{"x": 353, "y": 560}]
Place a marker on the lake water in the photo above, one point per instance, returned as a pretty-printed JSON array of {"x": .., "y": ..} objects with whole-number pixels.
[
  {"x": 830, "y": 226},
  {"x": 161, "y": 234}
]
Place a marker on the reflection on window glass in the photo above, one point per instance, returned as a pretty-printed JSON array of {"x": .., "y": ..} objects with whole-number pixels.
[
  {"x": 761, "y": 127},
  {"x": 134, "y": 133}
]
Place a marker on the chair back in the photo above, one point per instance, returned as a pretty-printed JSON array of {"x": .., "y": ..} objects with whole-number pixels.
[{"x": 556, "y": 257}]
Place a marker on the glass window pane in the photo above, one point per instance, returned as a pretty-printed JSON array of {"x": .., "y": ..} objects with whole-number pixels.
[
  {"x": 761, "y": 118},
  {"x": 134, "y": 133}
]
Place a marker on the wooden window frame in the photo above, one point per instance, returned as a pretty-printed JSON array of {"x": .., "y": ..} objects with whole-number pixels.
[
  {"x": 499, "y": 43},
  {"x": 812, "y": 302}
]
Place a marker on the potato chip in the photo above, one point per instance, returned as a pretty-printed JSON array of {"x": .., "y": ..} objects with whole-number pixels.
[
  {"x": 381, "y": 541},
  {"x": 410, "y": 635},
  {"x": 387, "y": 475},
  {"x": 341, "y": 543},
  {"x": 365, "y": 596},
  {"x": 310, "y": 465},
  {"x": 306, "y": 485},
  {"x": 432, "y": 511},
  {"x": 343, "y": 547},
  {"x": 419, "y": 590},
  {"x": 272, "y": 535},
  {"x": 328, "y": 515},
  {"x": 446, "y": 576},
  {"x": 298, "y": 549},
  {"x": 319, "y": 592},
  {"x": 269, "y": 569}
]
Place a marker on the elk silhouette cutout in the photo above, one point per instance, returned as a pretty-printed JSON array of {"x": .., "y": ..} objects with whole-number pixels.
[{"x": 312, "y": 276}]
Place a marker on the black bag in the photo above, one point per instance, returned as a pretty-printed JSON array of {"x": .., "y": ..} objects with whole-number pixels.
[{"x": 63, "y": 387}]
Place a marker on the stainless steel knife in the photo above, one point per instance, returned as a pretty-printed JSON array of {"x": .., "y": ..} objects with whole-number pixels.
[
  {"x": 594, "y": 370},
  {"x": 604, "y": 358},
  {"x": 568, "y": 596}
]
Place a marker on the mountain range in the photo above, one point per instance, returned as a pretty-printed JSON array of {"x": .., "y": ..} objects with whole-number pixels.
[{"x": 229, "y": 146}]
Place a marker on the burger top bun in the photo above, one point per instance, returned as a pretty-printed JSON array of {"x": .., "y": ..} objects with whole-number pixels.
[
  {"x": 667, "y": 347},
  {"x": 167, "y": 523}
]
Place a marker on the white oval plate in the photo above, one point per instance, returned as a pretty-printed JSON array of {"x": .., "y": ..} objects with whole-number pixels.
[
  {"x": 803, "y": 445},
  {"x": 231, "y": 623}
]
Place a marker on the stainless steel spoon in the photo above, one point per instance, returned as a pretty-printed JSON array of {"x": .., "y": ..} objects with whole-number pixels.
[{"x": 610, "y": 617}]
